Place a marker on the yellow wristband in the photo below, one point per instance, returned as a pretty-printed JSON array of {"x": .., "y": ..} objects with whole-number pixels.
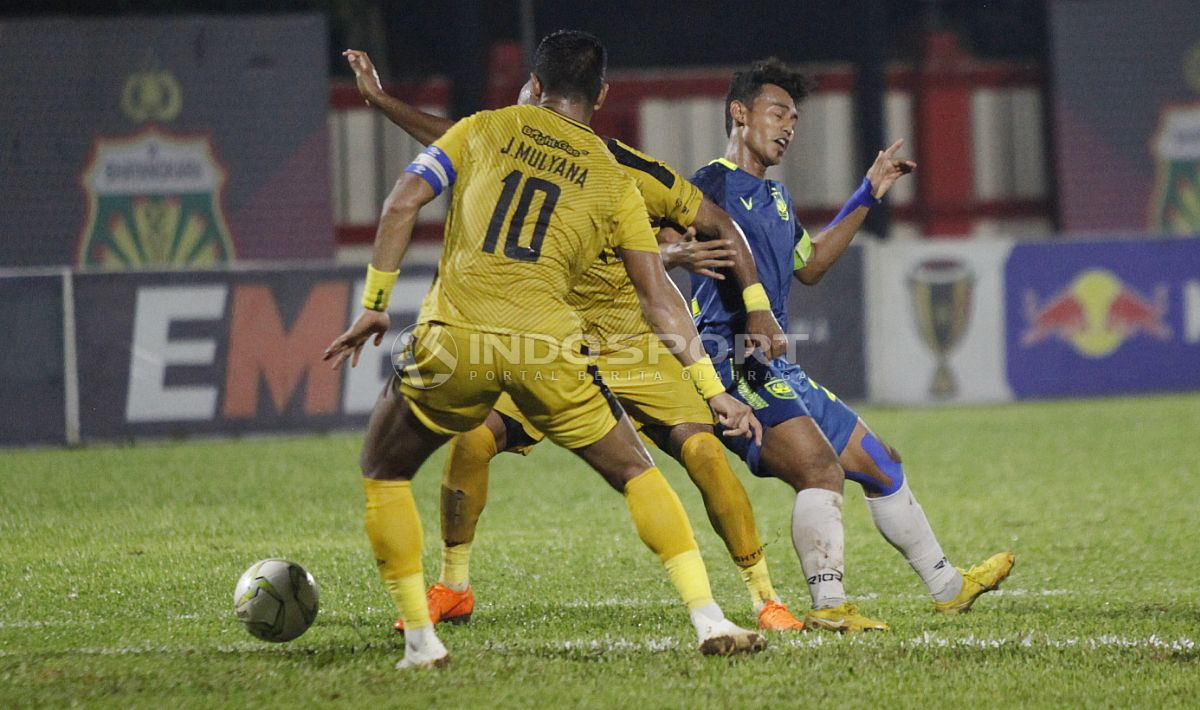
[
  {"x": 379, "y": 288},
  {"x": 755, "y": 298},
  {"x": 704, "y": 377}
]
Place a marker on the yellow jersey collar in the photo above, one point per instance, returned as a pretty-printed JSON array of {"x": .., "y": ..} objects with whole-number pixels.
[
  {"x": 568, "y": 119},
  {"x": 725, "y": 163}
]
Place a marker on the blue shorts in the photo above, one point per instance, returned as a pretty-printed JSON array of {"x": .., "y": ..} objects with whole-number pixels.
[
  {"x": 780, "y": 391},
  {"x": 835, "y": 419}
]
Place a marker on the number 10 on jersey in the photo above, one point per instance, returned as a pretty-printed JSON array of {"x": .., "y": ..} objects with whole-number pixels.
[{"x": 512, "y": 246}]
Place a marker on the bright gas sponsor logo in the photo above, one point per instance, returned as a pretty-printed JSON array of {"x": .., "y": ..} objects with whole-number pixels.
[{"x": 1096, "y": 313}]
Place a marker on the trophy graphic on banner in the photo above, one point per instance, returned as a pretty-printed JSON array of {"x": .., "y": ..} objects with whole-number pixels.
[{"x": 941, "y": 299}]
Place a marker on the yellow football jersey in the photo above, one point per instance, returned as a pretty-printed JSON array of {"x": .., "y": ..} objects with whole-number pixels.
[
  {"x": 537, "y": 198},
  {"x": 604, "y": 295}
]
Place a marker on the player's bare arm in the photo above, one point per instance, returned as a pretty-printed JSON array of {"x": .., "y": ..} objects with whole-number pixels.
[
  {"x": 422, "y": 126},
  {"x": 392, "y": 238},
  {"x": 831, "y": 243},
  {"x": 667, "y": 314}
]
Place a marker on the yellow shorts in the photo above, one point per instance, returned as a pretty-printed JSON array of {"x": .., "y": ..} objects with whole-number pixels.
[
  {"x": 648, "y": 382},
  {"x": 453, "y": 376}
]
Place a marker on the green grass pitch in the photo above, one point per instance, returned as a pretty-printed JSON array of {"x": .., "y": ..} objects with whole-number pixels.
[{"x": 117, "y": 568}]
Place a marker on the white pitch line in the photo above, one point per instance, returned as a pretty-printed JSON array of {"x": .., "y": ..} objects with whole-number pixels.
[
  {"x": 1031, "y": 640},
  {"x": 657, "y": 645},
  {"x": 1032, "y": 592}
]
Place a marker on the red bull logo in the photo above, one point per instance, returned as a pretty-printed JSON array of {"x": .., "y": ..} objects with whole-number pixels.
[{"x": 1095, "y": 314}]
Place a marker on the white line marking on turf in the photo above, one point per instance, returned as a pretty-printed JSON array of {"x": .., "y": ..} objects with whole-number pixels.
[
  {"x": 1031, "y": 592},
  {"x": 655, "y": 645},
  {"x": 30, "y": 624},
  {"x": 1032, "y": 639},
  {"x": 615, "y": 601}
]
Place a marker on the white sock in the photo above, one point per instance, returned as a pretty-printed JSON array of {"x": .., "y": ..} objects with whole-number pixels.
[
  {"x": 705, "y": 617},
  {"x": 422, "y": 641},
  {"x": 820, "y": 544},
  {"x": 902, "y": 522}
]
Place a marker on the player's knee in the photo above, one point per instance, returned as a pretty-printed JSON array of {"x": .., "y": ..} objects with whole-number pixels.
[
  {"x": 703, "y": 457},
  {"x": 829, "y": 475},
  {"x": 892, "y": 453},
  {"x": 691, "y": 435},
  {"x": 477, "y": 446},
  {"x": 700, "y": 446},
  {"x": 887, "y": 462}
]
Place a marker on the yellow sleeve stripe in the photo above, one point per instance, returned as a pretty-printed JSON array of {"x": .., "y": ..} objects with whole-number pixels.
[{"x": 803, "y": 252}]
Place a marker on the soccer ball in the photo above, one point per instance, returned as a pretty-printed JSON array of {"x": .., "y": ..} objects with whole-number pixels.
[{"x": 276, "y": 600}]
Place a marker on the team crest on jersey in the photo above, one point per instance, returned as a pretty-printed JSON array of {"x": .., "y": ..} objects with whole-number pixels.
[
  {"x": 780, "y": 388},
  {"x": 1176, "y": 205},
  {"x": 154, "y": 199},
  {"x": 780, "y": 203}
]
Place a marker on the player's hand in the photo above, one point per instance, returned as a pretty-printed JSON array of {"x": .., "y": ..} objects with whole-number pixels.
[
  {"x": 698, "y": 257},
  {"x": 349, "y": 345},
  {"x": 887, "y": 169},
  {"x": 364, "y": 74},
  {"x": 736, "y": 417},
  {"x": 764, "y": 332}
]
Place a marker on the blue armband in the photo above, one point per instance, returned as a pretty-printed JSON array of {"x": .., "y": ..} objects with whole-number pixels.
[
  {"x": 435, "y": 167},
  {"x": 862, "y": 197}
]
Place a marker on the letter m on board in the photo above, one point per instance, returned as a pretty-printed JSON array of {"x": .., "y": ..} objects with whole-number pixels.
[{"x": 265, "y": 352}]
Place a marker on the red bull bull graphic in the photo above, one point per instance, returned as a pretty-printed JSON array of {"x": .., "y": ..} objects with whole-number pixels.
[
  {"x": 1106, "y": 317},
  {"x": 1096, "y": 313}
]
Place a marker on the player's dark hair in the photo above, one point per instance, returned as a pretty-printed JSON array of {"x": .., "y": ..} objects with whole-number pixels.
[
  {"x": 571, "y": 63},
  {"x": 748, "y": 84}
]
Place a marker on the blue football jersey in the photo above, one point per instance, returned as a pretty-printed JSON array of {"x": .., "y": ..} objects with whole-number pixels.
[{"x": 764, "y": 211}]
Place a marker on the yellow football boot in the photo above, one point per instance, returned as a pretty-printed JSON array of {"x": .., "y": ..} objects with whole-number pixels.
[
  {"x": 842, "y": 618},
  {"x": 983, "y": 577}
]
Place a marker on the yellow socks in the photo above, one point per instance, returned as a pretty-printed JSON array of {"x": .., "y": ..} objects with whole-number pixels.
[
  {"x": 663, "y": 526},
  {"x": 729, "y": 510},
  {"x": 687, "y": 573},
  {"x": 409, "y": 595},
  {"x": 758, "y": 583},
  {"x": 725, "y": 499},
  {"x": 465, "y": 484},
  {"x": 456, "y": 563},
  {"x": 394, "y": 528},
  {"x": 464, "y": 493}
]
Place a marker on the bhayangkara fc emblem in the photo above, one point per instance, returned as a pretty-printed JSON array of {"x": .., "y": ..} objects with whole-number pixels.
[{"x": 154, "y": 199}]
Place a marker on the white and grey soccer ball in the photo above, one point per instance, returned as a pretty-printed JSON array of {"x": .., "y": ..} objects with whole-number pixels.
[{"x": 276, "y": 600}]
